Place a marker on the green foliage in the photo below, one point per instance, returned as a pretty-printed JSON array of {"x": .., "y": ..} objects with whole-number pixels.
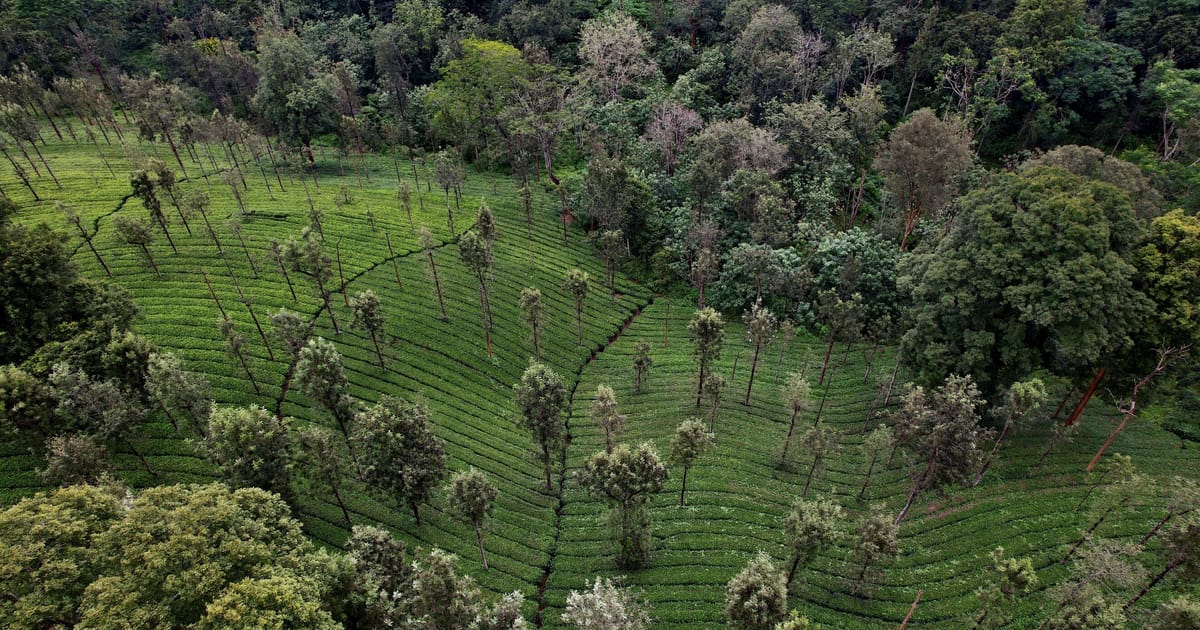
[
  {"x": 756, "y": 598},
  {"x": 1033, "y": 275},
  {"x": 321, "y": 377},
  {"x": 48, "y": 553},
  {"x": 626, "y": 478},
  {"x": 251, "y": 447},
  {"x": 809, "y": 528},
  {"x": 540, "y": 396},
  {"x": 398, "y": 454},
  {"x": 606, "y": 605}
]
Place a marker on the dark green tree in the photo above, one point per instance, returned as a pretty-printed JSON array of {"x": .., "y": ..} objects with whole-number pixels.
[
  {"x": 707, "y": 330},
  {"x": 541, "y": 396},
  {"x": 398, "y": 454},
  {"x": 626, "y": 478}
]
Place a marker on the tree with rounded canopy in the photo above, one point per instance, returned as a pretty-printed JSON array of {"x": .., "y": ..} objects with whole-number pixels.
[
  {"x": 307, "y": 256},
  {"x": 276, "y": 601},
  {"x": 178, "y": 549},
  {"x": 606, "y": 605},
  {"x": 1013, "y": 577},
  {"x": 101, "y": 409},
  {"x": 1093, "y": 163},
  {"x": 250, "y": 447},
  {"x": 73, "y": 459},
  {"x": 531, "y": 312},
  {"x": 810, "y": 527},
  {"x": 295, "y": 99},
  {"x": 606, "y": 416},
  {"x": 474, "y": 89},
  {"x": 1168, "y": 265},
  {"x": 368, "y": 317},
  {"x": 577, "y": 285},
  {"x": 179, "y": 393},
  {"x": 48, "y": 553},
  {"x": 321, "y": 378},
  {"x": 615, "y": 54},
  {"x": 756, "y": 598},
  {"x": 942, "y": 428},
  {"x": 541, "y": 395},
  {"x": 707, "y": 330},
  {"x": 761, "y": 326},
  {"x": 397, "y": 451},
  {"x": 626, "y": 478},
  {"x": 472, "y": 497},
  {"x": 923, "y": 161},
  {"x": 691, "y": 440},
  {"x": 1032, "y": 275},
  {"x": 877, "y": 541}
]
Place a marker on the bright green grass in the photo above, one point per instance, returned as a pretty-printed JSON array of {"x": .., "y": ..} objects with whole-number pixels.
[{"x": 736, "y": 494}]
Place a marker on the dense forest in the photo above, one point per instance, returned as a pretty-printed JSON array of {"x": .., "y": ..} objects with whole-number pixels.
[{"x": 658, "y": 313}]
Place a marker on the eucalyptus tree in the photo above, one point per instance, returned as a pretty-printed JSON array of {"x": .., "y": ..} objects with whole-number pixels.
[
  {"x": 477, "y": 257},
  {"x": 641, "y": 365},
  {"x": 795, "y": 392},
  {"x": 810, "y": 527},
  {"x": 606, "y": 605},
  {"x": 368, "y": 316},
  {"x": 137, "y": 232},
  {"x": 101, "y": 409},
  {"x": 878, "y": 540},
  {"x": 531, "y": 312},
  {"x": 576, "y": 284},
  {"x": 821, "y": 442},
  {"x": 307, "y": 256},
  {"x": 1011, "y": 578},
  {"x": 322, "y": 378},
  {"x": 425, "y": 238},
  {"x": 756, "y": 598}
]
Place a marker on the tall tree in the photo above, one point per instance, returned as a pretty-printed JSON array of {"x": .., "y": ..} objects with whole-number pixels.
[
  {"x": 756, "y": 598},
  {"x": 606, "y": 416},
  {"x": 796, "y": 392},
  {"x": 877, "y": 541},
  {"x": 1183, "y": 555},
  {"x": 325, "y": 463},
  {"x": 181, "y": 395},
  {"x": 761, "y": 326},
  {"x": 577, "y": 285},
  {"x": 641, "y": 366},
  {"x": 942, "y": 427},
  {"x": 707, "y": 330},
  {"x": 472, "y": 497},
  {"x": 322, "y": 378},
  {"x": 540, "y": 396},
  {"x": 477, "y": 256},
  {"x": 626, "y": 478},
  {"x": 102, "y": 409},
  {"x": 531, "y": 312},
  {"x": 924, "y": 160},
  {"x": 1012, "y": 578},
  {"x": 368, "y": 317},
  {"x": 235, "y": 346},
  {"x": 615, "y": 56},
  {"x": 137, "y": 233},
  {"x": 821, "y": 442},
  {"x": 308, "y": 257},
  {"x": 874, "y": 445},
  {"x": 398, "y": 453},
  {"x": 809, "y": 528},
  {"x": 1018, "y": 401},
  {"x": 251, "y": 449},
  {"x": 691, "y": 440},
  {"x": 425, "y": 238}
]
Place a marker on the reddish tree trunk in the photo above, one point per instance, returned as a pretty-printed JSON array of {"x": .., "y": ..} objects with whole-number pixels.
[{"x": 1087, "y": 396}]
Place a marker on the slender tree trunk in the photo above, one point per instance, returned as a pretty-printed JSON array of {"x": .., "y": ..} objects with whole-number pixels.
[
  {"x": 579, "y": 326},
  {"x": 150, "y": 258},
  {"x": 700, "y": 384},
  {"x": 1089, "y": 532},
  {"x": 288, "y": 280},
  {"x": 1063, "y": 403},
  {"x": 1157, "y": 526},
  {"x": 162, "y": 223},
  {"x": 328, "y": 306},
  {"x": 916, "y": 489},
  {"x": 46, "y": 164},
  {"x": 392, "y": 256},
  {"x": 824, "y": 397},
  {"x": 341, "y": 276},
  {"x": 261, "y": 334},
  {"x": 912, "y": 609},
  {"x": 682, "y": 486},
  {"x": 811, "y": 471},
  {"x": 22, "y": 174},
  {"x": 416, "y": 510},
  {"x": 437, "y": 286},
  {"x": 337, "y": 495},
  {"x": 1088, "y": 495},
  {"x": 378, "y": 352},
  {"x": 871, "y": 361},
  {"x": 28, "y": 159},
  {"x": 487, "y": 330},
  {"x": 862, "y": 492},
  {"x": 825, "y": 363},
  {"x": 995, "y": 447},
  {"x": 753, "y": 369},
  {"x": 791, "y": 575},
  {"x": 1087, "y": 396},
  {"x": 1111, "y": 436},
  {"x": 482, "y": 555},
  {"x": 549, "y": 465},
  {"x": 787, "y": 441},
  {"x": 141, "y": 457},
  {"x": 88, "y": 240},
  {"x": 1158, "y": 578},
  {"x": 246, "y": 368}
]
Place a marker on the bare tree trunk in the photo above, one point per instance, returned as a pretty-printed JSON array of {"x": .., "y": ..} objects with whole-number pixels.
[
  {"x": 482, "y": 555},
  {"x": 995, "y": 447},
  {"x": 825, "y": 363},
  {"x": 753, "y": 369},
  {"x": 1087, "y": 396},
  {"x": 911, "y": 609},
  {"x": 261, "y": 334},
  {"x": 1158, "y": 578},
  {"x": 392, "y": 255},
  {"x": 341, "y": 277},
  {"x": 811, "y": 471},
  {"x": 682, "y": 486},
  {"x": 862, "y": 492},
  {"x": 141, "y": 457}
]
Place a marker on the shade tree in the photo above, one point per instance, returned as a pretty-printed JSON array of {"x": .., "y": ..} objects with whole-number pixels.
[
  {"x": 321, "y": 377},
  {"x": 691, "y": 440},
  {"x": 761, "y": 327},
  {"x": 641, "y": 366},
  {"x": 472, "y": 496},
  {"x": 577, "y": 284},
  {"x": 606, "y": 605},
  {"x": 877, "y": 541},
  {"x": 398, "y": 454},
  {"x": 531, "y": 313},
  {"x": 250, "y": 447},
  {"x": 369, "y": 317},
  {"x": 606, "y": 416},
  {"x": 795, "y": 392},
  {"x": 540, "y": 396},
  {"x": 707, "y": 330},
  {"x": 756, "y": 598},
  {"x": 626, "y": 479},
  {"x": 809, "y": 528}
]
